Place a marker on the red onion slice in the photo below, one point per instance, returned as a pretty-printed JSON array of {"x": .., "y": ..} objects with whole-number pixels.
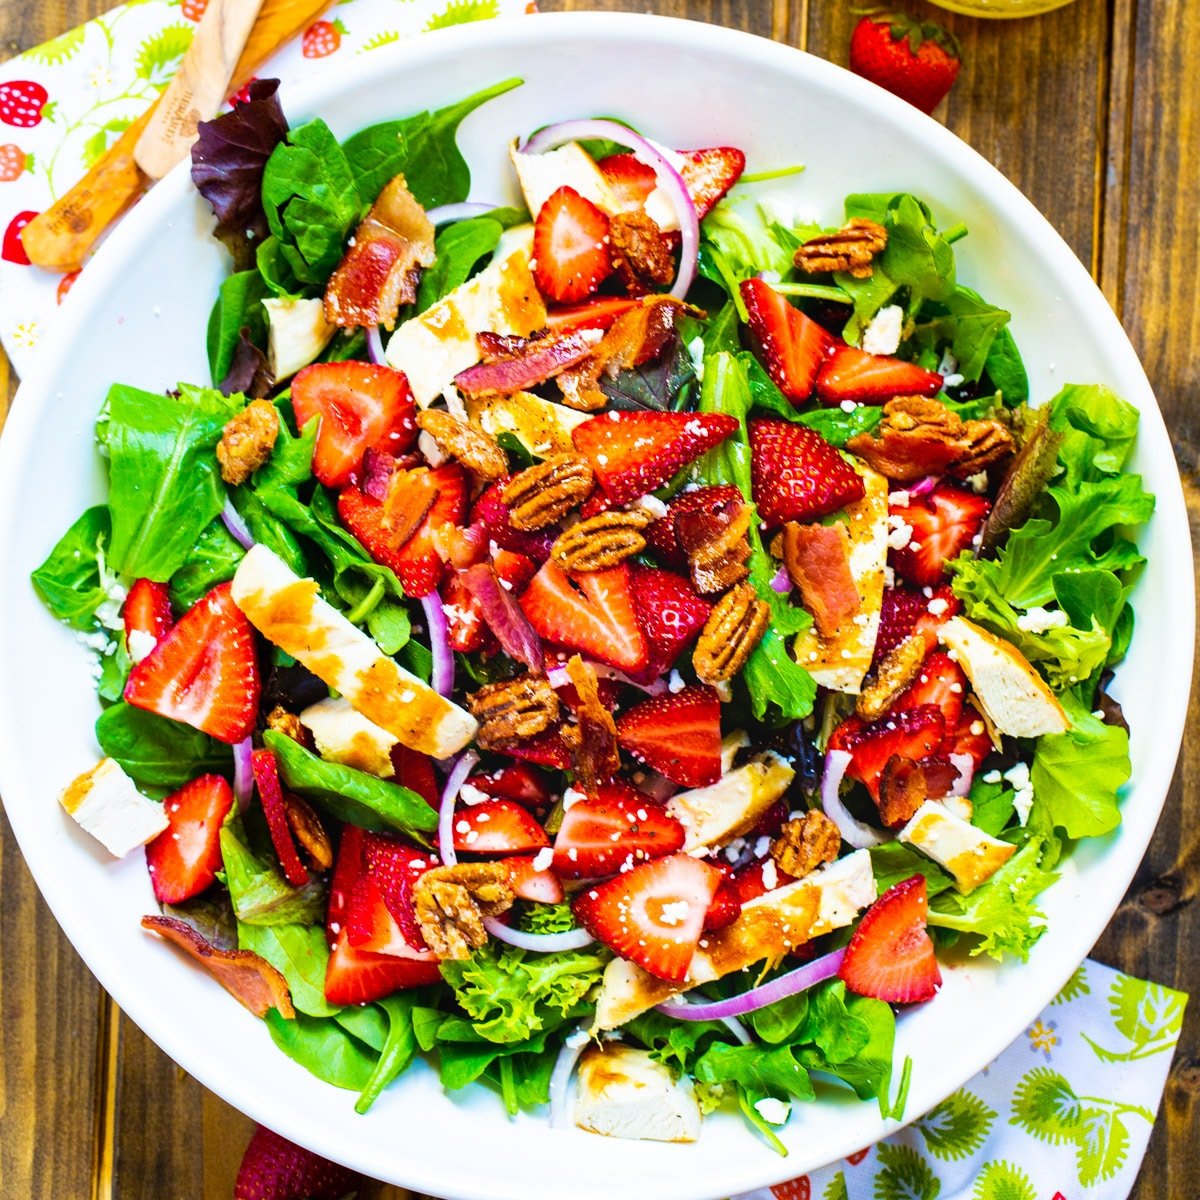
[
  {"x": 923, "y": 486},
  {"x": 454, "y": 781},
  {"x": 243, "y": 773},
  {"x": 375, "y": 345},
  {"x": 782, "y": 582},
  {"x": 669, "y": 180},
  {"x": 540, "y": 943},
  {"x": 559, "y": 678},
  {"x": 442, "y": 679},
  {"x": 445, "y": 213},
  {"x": 854, "y": 831},
  {"x": 505, "y": 617},
  {"x": 965, "y": 766},
  {"x": 799, "y": 980},
  {"x": 236, "y": 526},
  {"x": 560, "y": 1078}
]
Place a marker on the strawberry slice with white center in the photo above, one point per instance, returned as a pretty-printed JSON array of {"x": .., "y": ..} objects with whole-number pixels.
[
  {"x": 571, "y": 254},
  {"x": 891, "y": 955},
  {"x": 147, "y": 616},
  {"x": 594, "y": 314},
  {"x": 790, "y": 345},
  {"x": 612, "y": 830},
  {"x": 852, "y": 374},
  {"x": 663, "y": 534},
  {"x": 671, "y": 616},
  {"x": 594, "y": 613},
  {"x": 270, "y": 794},
  {"x": 628, "y": 178},
  {"x": 362, "y": 406},
  {"x": 944, "y": 524},
  {"x": 395, "y": 867},
  {"x": 941, "y": 683},
  {"x": 464, "y": 614},
  {"x": 497, "y": 827},
  {"x": 654, "y": 914},
  {"x": 357, "y": 976},
  {"x": 204, "y": 672},
  {"x": 796, "y": 475},
  {"x": 678, "y": 735},
  {"x": 528, "y": 882},
  {"x": 184, "y": 859},
  {"x": 709, "y": 173},
  {"x": 632, "y": 453},
  {"x": 370, "y": 925}
]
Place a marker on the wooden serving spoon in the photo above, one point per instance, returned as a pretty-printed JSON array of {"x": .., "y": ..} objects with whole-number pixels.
[
  {"x": 62, "y": 236},
  {"x": 198, "y": 87}
]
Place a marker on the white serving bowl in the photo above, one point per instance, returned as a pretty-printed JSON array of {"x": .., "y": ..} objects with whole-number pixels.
[{"x": 138, "y": 315}]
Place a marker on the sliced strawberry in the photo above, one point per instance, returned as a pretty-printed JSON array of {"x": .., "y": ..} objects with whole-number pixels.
[
  {"x": 204, "y": 672},
  {"x": 612, "y": 829},
  {"x": 276, "y": 1169},
  {"x": 944, "y": 524},
  {"x": 593, "y": 613},
  {"x": 371, "y": 926},
  {"x": 570, "y": 247},
  {"x": 492, "y": 513},
  {"x": 147, "y": 615},
  {"x": 796, "y": 475},
  {"x": 414, "y": 771},
  {"x": 940, "y": 683},
  {"x": 528, "y": 883},
  {"x": 663, "y": 534},
  {"x": 915, "y": 733},
  {"x": 347, "y": 869},
  {"x": 416, "y": 561},
  {"x": 464, "y": 613},
  {"x": 632, "y": 453},
  {"x": 362, "y": 406},
  {"x": 654, "y": 914},
  {"x": 790, "y": 345},
  {"x": 725, "y": 908},
  {"x": 751, "y": 880},
  {"x": 771, "y": 822},
  {"x": 891, "y": 955},
  {"x": 709, "y": 173},
  {"x": 184, "y": 859},
  {"x": 270, "y": 795},
  {"x": 497, "y": 827},
  {"x": 970, "y": 736},
  {"x": 678, "y": 735},
  {"x": 852, "y": 374},
  {"x": 595, "y": 314},
  {"x": 670, "y": 613},
  {"x": 546, "y": 750},
  {"x": 629, "y": 179},
  {"x": 358, "y": 976},
  {"x": 521, "y": 784},
  {"x": 395, "y": 866}
]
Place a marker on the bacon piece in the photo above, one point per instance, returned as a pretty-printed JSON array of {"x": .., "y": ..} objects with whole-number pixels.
[
  {"x": 592, "y": 742},
  {"x": 249, "y": 979},
  {"x": 518, "y": 369},
  {"x": 817, "y": 558},
  {"x": 380, "y": 270}
]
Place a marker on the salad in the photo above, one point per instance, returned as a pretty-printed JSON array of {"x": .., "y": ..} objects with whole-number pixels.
[{"x": 641, "y": 637}]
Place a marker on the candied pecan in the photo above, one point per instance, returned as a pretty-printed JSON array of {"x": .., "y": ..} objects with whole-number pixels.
[
  {"x": 641, "y": 252},
  {"x": 805, "y": 843},
  {"x": 307, "y": 829},
  {"x": 592, "y": 740},
  {"x": 851, "y": 249},
  {"x": 716, "y": 545},
  {"x": 473, "y": 448},
  {"x": 917, "y": 437},
  {"x": 984, "y": 443},
  {"x": 903, "y": 788},
  {"x": 817, "y": 558},
  {"x": 513, "y": 710},
  {"x": 451, "y": 902},
  {"x": 247, "y": 441},
  {"x": 897, "y": 670},
  {"x": 602, "y": 541},
  {"x": 288, "y": 724},
  {"x": 734, "y": 627},
  {"x": 543, "y": 494}
]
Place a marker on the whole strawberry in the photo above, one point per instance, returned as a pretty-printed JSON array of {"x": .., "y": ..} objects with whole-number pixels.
[
  {"x": 12, "y": 249},
  {"x": 322, "y": 38},
  {"x": 23, "y": 103},
  {"x": 276, "y": 1169},
  {"x": 915, "y": 60},
  {"x": 193, "y": 10},
  {"x": 14, "y": 162}
]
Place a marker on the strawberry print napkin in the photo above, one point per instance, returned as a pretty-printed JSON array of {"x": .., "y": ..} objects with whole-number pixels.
[
  {"x": 1063, "y": 1114},
  {"x": 64, "y": 103}
]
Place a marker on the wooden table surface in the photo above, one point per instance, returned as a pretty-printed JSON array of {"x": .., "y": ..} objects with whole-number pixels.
[{"x": 1094, "y": 112}]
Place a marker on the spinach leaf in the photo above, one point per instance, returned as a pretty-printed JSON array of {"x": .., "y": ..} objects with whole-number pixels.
[
  {"x": 70, "y": 581},
  {"x": 423, "y": 148},
  {"x": 1005, "y": 369},
  {"x": 165, "y": 486},
  {"x": 965, "y": 324},
  {"x": 458, "y": 249},
  {"x": 868, "y": 1069},
  {"x": 367, "y": 1022},
  {"x": 323, "y": 1047},
  {"x": 300, "y": 954},
  {"x": 893, "y": 862},
  {"x": 311, "y": 201},
  {"x": 398, "y": 1050},
  {"x": 676, "y": 1044},
  {"x": 258, "y": 890},
  {"x": 991, "y": 806},
  {"x": 659, "y": 385},
  {"x": 157, "y": 751},
  {"x": 238, "y": 306},
  {"x": 350, "y": 795},
  {"x": 212, "y": 560},
  {"x": 114, "y": 669}
]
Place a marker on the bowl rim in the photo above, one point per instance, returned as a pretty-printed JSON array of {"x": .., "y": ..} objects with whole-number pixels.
[{"x": 525, "y": 35}]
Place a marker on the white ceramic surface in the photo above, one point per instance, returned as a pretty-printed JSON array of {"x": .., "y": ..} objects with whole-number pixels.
[{"x": 139, "y": 316}]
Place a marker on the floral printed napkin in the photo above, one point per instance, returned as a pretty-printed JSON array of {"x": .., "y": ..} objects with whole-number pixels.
[
  {"x": 1063, "y": 1114},
  {"x": 64, "y": 103}
]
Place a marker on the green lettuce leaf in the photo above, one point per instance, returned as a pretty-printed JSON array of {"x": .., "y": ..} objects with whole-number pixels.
[
  {"x": 212, "y": 560},
  {"x": 323, "y": 1047},
  {"x": 257, "y": 889},
  {"x": 157, "y": 751},
  {"x": 300, "y": 954},
  {"x": 71, "y": 580}
]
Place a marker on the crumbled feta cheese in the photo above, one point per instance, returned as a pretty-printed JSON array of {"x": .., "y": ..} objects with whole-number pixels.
[
  {"x": 899, "y": 531},
  {"x": 952, "y": 381},
  {"x": 889, "y": 576},
  {"x": 898, "y": 499},
  {"x": 724, "y": 691},
  {"x": 1038, "y": 619},
  {"x": 848, "y": 406},
  {"x": 674, "y": 913},
  {"x": 543, "y": 858},
  {"x": 770, "y": 875},
  {"x": 675, "y": 682},
  {"x": 572, "y": 796},
  {"x": 948, "y": 365},
  {"x": 978, "y": 483},
  {"x": 882, "y": 335},
  {"x": 937, "y": 606},
  {"x": 652, "y": 506},
  {"x": 140, "y": 643},
  {"x": 735, "y": 849},
  {"x": 695, "y": 351},
  {"x": 761, "y": 847},
  {"x": 774, "y": 1112},
  {"x": 470, "y": 794}
]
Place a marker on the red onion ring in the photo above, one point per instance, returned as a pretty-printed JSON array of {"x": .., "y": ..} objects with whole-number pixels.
[
  {"x": 799, "y": 980},
  {"x": 669, "y": 180},
  {"x": 375, "y": 345},
  {"x": 243, "y": 773},
  {"x": 454, "y": 781},
  {"x": 442, "y": 679},
  {"x": 965, "y": 766},
  {"x": 445, "y": 213},
  {"x": 923, "y": 486},
  {"x": 560, "y": 1077},
  {"x": 854, "y": 831},
  {"x": 559, "y": 678},
  {"x": 540, "y": 943},
  {"x": 236, "y": 526}
]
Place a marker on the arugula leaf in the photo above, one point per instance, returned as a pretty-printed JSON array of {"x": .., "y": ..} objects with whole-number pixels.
[
  {"x": 238, "y": 306},
  {"x": 311, "y": 200},
  {"x": 324, "y": 1048},
  {"x": 511, "y": 994},
  {"x": 300, "y": 954},
  {"x": 350, "y": 795},
  {"x": 458, "y": 249},
  {"x": 70, "y": 581},
  {"x": 423, "y": 148},
  {"x": 212, "y": 560},
  {"x": 157, "y": 751},
  {"x": 257, "y": 889},
  {"x": 1002, "y": 912},
  {"x": 164, "y": 482}
]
